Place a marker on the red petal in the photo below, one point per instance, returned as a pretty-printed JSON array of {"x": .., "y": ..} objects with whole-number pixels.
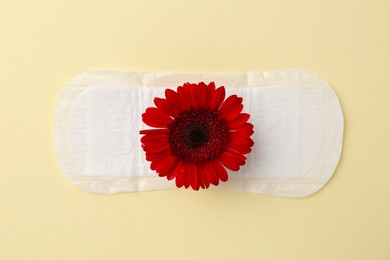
[
  {"x": 237, "y": 138},
  {"x": 173, "y": 98},
  {"x": 180, "y": 175},
  {"x": 217, "y": 99},
  {"x": 174, "y": 170},
  {"x": 201, "y": 175},
  {"x": 195, "y": 178},
  {"x": 202, "y": 95},
  {"x": 220, "y": 171},
  {"x": 164, "y": 165},
  {"x": 238, "y": 157},
  {"x": 229, "y": 162},
  {"x": 247, "y": 128},
  {"x": 184, "y": 96},
  {"x": 233, "y": 112},
  {"x": 192, "y": 88},
  {"x": 154, "y": 165},
  {"x": 238, "y": 121},
  {"x": 150, "y": 156},
  {"x": 153, "y": 131},
  {"x": 211, "y": 87},
  {"x": 210, "y": 92},
  {"x": 231, "y": 108},
  {"x": 166, "y": 107},
  {"x": 243, "y": 149},
  {"x": 154, "y": 138},
  {"x": 188, "y": 176},
  {"x": 168, "y": 168},
  {"x": 231, "y": 100},
  {"x": 155, "y": 147},
  {"x": 212, "y": 174},
  {"x": 155, "y": 118}
]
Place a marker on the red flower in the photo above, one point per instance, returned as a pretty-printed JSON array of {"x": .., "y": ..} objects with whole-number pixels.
[{"x": 198, "y": 134}]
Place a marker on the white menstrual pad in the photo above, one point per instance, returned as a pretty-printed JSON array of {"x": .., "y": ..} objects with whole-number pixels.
[{"x": 297, "y": 120}]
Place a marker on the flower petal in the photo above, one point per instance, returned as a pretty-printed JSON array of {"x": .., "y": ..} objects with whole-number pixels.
[
  {"x": 161, "y": 165},
  {"x": 220, "y": 171},
  {"x": 195, "y": 174},
  {"x": 217, "y": 99},
  {"x": 166, "y": 107},
  {"x": 154, "y": 138},
  {"x": 210, "y": 93},
  {"x": 164, "y": 165},
  {"x": 153, "y": 131},
  {"x": 201, "y": 175},
  {"x": 173, "y": 98},
  {"x": 247, "y": 128},
  {"x": 184, "y": 96},
  {"x": 211, "y": 87},
  {"x": 202, "y": 95},
  {"x": 188, "y": 176},
  {"x": 154, "y": 164},
  {"x": 168, "y": 168},
  {"x": 155, "y": 147},
  {"x": 151, "y": 145},
  {"x": 229, "y": 161},
  {"x": 174, "y": 170},
  {"x": 192, "y": 88},
  {"x": 156, "y": 156},
  {"x": 238, "y": 121},
  {"x": 231, "y": 108},
  {"x": 180, "y": 175},
  {"x": 237, "y": 138},
  {"x": 243, "y": 149},
  {"x": 210, "y": 175},
  {"x": 155, "y": 118},
  {"x": 237, "y": 157}
]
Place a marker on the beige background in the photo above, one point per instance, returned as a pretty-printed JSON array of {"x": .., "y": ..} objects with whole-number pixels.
[{"x": 43, "y": 44}]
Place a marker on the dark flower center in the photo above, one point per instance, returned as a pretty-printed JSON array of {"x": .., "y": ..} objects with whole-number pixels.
[{"x": 198, "y": 135}]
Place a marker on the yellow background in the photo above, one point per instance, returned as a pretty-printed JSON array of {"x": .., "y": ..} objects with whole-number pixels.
[{"x": 44, "y": 44}]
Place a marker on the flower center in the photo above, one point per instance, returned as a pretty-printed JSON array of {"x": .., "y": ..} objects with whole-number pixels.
[{"x": 198, "y": 136}]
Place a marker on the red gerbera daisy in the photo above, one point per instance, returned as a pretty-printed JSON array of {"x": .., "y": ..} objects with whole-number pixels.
[{"x": 198, "y": 135}]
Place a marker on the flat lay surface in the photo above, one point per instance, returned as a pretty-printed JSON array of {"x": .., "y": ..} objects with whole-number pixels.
[{"x": 44, "y": 44}]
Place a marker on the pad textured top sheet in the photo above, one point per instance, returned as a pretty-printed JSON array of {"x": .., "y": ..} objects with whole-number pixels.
[{"x": 298, "y": 130}]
